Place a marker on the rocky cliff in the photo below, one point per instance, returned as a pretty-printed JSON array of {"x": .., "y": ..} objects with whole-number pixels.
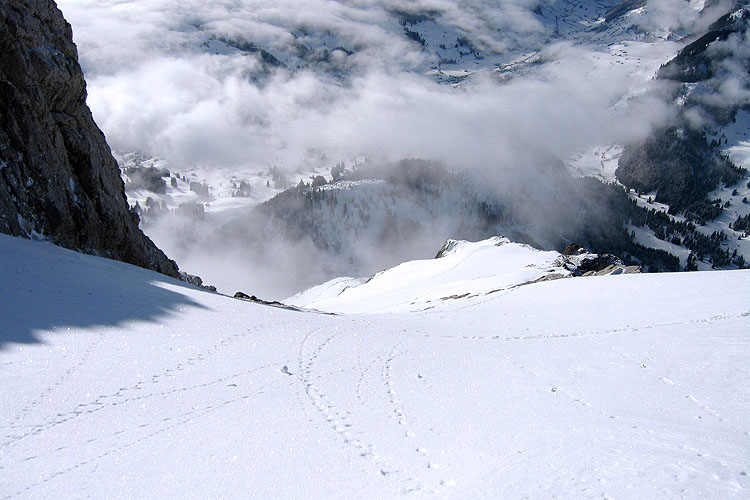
[{"x": 58, "y": 178}]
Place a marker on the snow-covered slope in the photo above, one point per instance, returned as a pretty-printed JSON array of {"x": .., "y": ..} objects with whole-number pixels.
[
  {"x": 463, "y": 272},
  {"x": 120, "y": 383}
]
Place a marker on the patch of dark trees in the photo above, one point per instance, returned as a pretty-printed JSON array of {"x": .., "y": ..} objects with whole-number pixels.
[
  {"x": 148, "y": 178},
  {"x": 415, "y": 36},
  {"x": 406, "y": 18},
  {"x": 678, "y": 162},
  {"x": 589, "y": 212},
  {"x": 709, "y": 248},
  {"x": 742, "y": 224},
  {"x": 622, "y": 8},
  {"x": 682, "y": 167}
]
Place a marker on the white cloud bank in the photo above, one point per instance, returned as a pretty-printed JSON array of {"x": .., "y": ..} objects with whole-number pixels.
[
  {"x": 154, "y": 88},
  {"x": 160, "y": 82}
]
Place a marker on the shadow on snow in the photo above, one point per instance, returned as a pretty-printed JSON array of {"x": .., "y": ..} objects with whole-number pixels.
[{"x": 44, "y": 287}]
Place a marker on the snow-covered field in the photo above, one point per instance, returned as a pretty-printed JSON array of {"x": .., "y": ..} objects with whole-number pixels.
[{"x": 121, "y": 383}]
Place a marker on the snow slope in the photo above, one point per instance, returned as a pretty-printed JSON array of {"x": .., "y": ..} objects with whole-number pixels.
[
  {"x": 120, "y": 383},
  {"x": 464, "y": 271}
]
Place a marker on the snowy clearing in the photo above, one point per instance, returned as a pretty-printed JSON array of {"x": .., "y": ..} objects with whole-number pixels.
[{"x": 120, "y": 383}]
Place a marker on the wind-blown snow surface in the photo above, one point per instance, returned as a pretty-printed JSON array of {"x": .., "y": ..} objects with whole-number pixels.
[
  {"x": 117, "y": 382},
  {"x": 465, "y": 271}
]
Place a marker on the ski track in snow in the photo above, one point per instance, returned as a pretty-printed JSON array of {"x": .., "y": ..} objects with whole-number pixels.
[
  {"x": 462, "y": 402},
  {"x": 321, "y": 389},
  {"x": 341, "y": 416},
  {"x": 47, "y": 392},
  {"x": 122, "y": 395},
  {"x": 126, "y": 396},
  {"x": 173, "y": 423}
]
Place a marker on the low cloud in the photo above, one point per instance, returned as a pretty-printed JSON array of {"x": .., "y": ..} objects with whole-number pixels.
[
  {"x": 682, "y": 17},
  {"x": 154, "y": 86},
  {"x": 161, "y": 82}
]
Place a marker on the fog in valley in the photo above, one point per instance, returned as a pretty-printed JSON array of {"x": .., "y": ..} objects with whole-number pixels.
[{"x": 303, "y": 85}]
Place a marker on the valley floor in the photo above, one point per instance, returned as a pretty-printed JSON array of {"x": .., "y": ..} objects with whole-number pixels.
[{"x": 120, "y": 383}]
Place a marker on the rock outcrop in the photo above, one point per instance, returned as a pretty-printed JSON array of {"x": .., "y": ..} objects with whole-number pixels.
[
  {"x": 58, "y": 179},
  {"x": 582, "y": 263}
]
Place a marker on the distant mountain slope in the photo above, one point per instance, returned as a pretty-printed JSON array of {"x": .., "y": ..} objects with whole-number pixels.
[
  {"x": 377, "y": 216},
  {"x": 132, "y": 385},
  {"x": 692, "y": 173},
  {"x": 702, "y": 59},
  {"x": 58, "y": 179},
  {"x": 679, "y": 163}
]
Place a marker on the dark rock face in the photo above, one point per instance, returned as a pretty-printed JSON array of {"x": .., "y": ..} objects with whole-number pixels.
[
  {"x": 57, "y": 175},
  {"x": 573, "y": 249},
  {"x": 598, "y": 263}
]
